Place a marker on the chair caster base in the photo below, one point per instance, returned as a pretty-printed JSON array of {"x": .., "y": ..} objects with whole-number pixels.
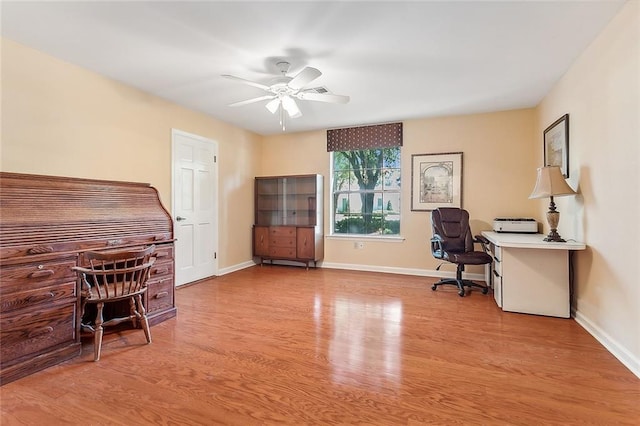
[{"x": 461, "y": 284}]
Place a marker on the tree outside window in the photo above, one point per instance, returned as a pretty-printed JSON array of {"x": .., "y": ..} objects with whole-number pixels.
[{"x": 366, "y": 192}]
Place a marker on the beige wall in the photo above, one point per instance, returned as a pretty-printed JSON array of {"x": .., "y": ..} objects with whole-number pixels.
[
  {"x": 499, "y": 161},
  {"x": 59, "y": 119},
  {"x": 601, "y": 93}
]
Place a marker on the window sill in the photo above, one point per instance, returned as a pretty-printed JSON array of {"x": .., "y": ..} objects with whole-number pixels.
[{"x": 389, "y": 239}]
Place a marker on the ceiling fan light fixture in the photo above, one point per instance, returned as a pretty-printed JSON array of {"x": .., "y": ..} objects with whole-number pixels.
[
  {"x": 273, "y": 105},
  {"x": 291, "y": 107},
  {"x": 284, "y": 90}
]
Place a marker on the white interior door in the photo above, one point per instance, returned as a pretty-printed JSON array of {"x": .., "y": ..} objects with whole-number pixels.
[{"x": 195, "y": 206}]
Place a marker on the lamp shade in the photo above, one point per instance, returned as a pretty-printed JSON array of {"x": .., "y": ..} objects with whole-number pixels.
[{"x": 550, "y": 183}]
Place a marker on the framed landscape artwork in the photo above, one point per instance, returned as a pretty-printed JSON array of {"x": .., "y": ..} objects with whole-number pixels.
[
  {"x": 556, "y": 145},
  {"x": 436, "y": 181}
]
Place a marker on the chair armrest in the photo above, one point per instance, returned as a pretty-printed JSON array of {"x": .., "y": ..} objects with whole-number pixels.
[
  {"x": 436, "y": 243},
  {"x": 86, "y": 287},
  {"x": 483, "y": 242},
  {"x": 481, "y": 239}
]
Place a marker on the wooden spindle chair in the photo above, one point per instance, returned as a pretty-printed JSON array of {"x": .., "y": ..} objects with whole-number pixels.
[{"x": 112, "y": 277}]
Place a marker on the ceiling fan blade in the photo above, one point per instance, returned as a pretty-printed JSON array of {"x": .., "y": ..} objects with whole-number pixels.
[
  {"x": 323, "y": 97},
  {"x": 304, "y": 77},
  {"x": 250, "y": 101},
  {"x": 291, "y": 107},
  {"x": 249, "y": 82}
]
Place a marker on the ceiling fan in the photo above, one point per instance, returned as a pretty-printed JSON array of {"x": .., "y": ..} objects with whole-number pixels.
[{"x": 284, "y": 89}]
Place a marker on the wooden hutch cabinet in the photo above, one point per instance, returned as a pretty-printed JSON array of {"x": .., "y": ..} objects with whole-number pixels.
[
  {"x": 47, "y": 224},
  {"x": 288, "y": 219}
]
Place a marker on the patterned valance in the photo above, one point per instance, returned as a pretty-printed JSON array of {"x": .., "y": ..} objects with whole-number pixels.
[{"x": 365, "y": 137}]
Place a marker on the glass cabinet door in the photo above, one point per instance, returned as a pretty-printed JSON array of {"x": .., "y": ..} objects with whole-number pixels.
[
  {"x": 289, "y": 201},
  {"x": 269, "y": 200},
  {"x": 300, "y": 201}
]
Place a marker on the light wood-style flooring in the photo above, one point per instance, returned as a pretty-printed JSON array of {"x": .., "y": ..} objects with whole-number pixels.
[{"x": 283, "y": 345}]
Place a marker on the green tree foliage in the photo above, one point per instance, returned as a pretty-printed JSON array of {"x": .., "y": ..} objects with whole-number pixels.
[{"x": 367, "y": 166}]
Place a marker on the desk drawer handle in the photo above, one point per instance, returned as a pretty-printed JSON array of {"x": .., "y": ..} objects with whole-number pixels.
[
  {"x": 41, "y": 273},
  {"x": 114, "y": 242},
  {"x": 48, "y": 296},
  {"x": 161, "y": 295},
  {"x": 162, "y": 254},
  {"x": 160, "y": 271},
  {"x": 40, "y": 332}
]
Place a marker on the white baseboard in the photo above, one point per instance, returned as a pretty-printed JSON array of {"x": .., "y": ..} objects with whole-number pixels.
[
  {"x": 236, "y": 267},
  {"x": 403, "y": 271},
  {"x": 366, "y": 268},
  {"x": 620, "y": 352}
]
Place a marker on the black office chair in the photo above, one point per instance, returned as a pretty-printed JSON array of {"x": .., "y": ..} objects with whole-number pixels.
[{"x": 452, "y": 242}]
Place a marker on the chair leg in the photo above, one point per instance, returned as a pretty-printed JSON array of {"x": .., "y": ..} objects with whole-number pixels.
[
  {"x": 143, "y": 318},
  {"x": 133, "y": 312},
  {"x": 462, "y": 283},
  {"x": 99, "y": 330},
  {"x": 451, "y": 281},
  {"x": 459, "y": 282}
]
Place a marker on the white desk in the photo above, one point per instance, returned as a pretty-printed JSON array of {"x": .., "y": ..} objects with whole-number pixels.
[{"x": 530, "y": 275}]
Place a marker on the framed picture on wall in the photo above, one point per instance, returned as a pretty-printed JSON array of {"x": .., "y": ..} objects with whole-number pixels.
[
  {"x": 436, "y": 181},
  {"x": 556, "y": 145}
]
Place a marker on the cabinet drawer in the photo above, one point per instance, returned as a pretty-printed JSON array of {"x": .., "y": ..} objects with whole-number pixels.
[
  {"x": 159, "y": 294},
  {"x": 161, "y": 269},
  {"x": 497, "y": 267},
  {"x": 497, "y": 252},
  {"x": 283, "y": 231},
  {"x": 497, "y": 290},
  {"x": 283, "y": 252},
  {"x": 282, "y": 241},
  {"x": 29, "y": 333},
  {"x": 35, "y": 275},
  {"x": 164, "y": 253},
  {"x": 39, "y": 296}
]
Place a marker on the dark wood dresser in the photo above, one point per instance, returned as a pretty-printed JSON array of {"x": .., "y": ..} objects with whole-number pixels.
[
  {"x": 46, "y": 223},
  {"x": 288, "y": 219}
]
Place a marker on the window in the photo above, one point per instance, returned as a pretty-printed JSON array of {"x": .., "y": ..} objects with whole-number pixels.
[
  {"x": 365, "y": 179},
  {"x": 366, "y": 192}
]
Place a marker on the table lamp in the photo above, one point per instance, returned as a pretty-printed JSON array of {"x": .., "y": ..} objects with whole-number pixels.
[{"x": 550, "y": 183}]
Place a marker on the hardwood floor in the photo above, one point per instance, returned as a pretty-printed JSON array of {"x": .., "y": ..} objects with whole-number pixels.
[{"x": 278, "y": 344}]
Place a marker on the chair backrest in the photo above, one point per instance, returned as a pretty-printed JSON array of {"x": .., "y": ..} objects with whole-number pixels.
[
  {"x": 452, "y": 225},
  {"x": 118, "y": 273}
]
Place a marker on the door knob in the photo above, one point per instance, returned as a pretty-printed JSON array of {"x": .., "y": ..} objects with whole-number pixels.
[{"x": 179, "y": 218}]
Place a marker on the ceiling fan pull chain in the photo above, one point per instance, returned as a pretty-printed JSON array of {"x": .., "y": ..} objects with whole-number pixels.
[{"x": 282, "y": 117}]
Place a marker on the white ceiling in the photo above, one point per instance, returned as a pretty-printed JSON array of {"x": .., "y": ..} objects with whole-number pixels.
[{"x": 396, "y": 60}]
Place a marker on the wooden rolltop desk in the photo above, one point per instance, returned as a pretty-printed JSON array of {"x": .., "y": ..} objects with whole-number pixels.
[{"x": 46, "y": 223}]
